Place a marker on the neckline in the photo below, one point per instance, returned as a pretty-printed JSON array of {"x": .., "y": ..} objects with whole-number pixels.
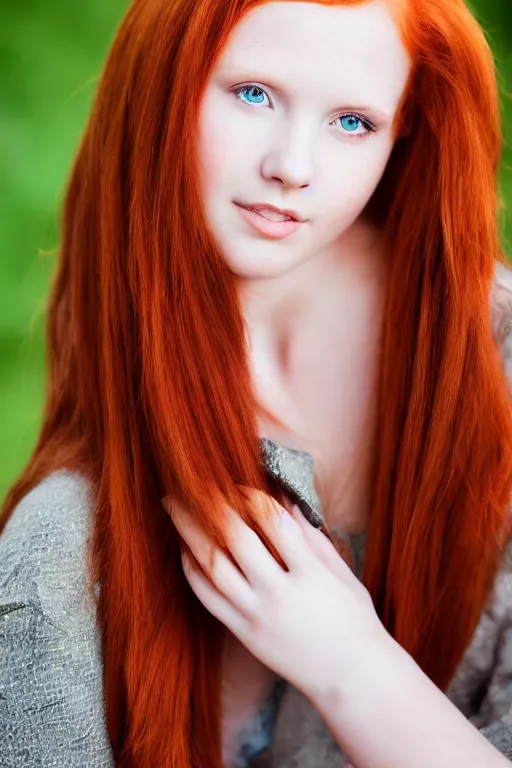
[{"x": 294, "y": 468}]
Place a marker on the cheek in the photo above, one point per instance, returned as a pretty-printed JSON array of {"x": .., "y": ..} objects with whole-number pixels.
[
  {"x": 221, "y": 149},
  {"x": 357, "y": 178},
  {"x": 212, "y": 160}
]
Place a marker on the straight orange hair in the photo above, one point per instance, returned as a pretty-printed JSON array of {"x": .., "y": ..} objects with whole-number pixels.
[{"x": 149, "y": 391}]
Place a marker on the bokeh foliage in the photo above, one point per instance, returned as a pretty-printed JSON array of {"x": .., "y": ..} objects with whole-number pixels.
[{"x": 51, "y": 54}]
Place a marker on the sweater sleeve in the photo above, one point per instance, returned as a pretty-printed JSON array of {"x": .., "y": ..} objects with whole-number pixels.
[
  {"x": 51, "y": 697},
  {"x": 499, "y": 733},
  {"x": 494, "y": 715}
]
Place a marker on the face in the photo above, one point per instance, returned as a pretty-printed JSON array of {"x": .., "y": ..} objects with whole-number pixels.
[{"x": 298, "y": 113}]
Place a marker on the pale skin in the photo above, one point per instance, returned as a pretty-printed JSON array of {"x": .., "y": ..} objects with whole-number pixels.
[
  {"x": 361, "y": 675},
  {"x": 313, "y": 131}
]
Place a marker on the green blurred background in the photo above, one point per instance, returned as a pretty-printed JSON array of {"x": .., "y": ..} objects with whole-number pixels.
[{"x": 51, "y": 53}]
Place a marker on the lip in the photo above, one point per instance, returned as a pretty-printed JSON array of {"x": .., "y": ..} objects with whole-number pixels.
[
  {"x": 284, "y": 211},
  {"x": 274, "y": 230}
]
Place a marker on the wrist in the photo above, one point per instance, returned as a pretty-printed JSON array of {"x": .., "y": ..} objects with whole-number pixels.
[
  {"x": 375, "y": 666},
  {"x": 360, "y": 703},
  {"x": 410, "y": 720}
]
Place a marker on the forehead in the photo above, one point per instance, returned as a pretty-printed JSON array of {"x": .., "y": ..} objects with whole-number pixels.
[{"x": 309, "y": 43}]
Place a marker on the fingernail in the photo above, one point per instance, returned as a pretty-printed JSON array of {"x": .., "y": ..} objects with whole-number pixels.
[
  {"x": 297, "y": 514},
  {"x": 286, "y": 520},
  {"x": 167, "y": 505}
]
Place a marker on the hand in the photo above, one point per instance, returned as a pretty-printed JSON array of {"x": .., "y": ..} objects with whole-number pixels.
[{"x": 311, "y": 624}]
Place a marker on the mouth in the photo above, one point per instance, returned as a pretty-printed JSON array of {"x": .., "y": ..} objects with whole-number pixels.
[
  {"x": 272, "y": 229},
  {"x": 271, "y": 212}
]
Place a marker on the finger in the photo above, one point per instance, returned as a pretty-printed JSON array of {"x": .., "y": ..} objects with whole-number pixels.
[
  {"x": 315, "y": 535},
  {"x": 224, "y": 575},
  {"x": 249, "y": 551},
  {"x": 213, "y": 600},
  {"x": 301, "y": 519},
  {"x": 233, "y": 584},
  {"x": 323, "y": 546},
  {"x": 283, "y": 530}
]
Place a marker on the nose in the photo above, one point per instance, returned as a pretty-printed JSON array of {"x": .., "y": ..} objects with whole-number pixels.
[{"x": 290, "y": 161}]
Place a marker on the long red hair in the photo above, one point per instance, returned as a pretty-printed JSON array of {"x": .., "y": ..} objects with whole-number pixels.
[{"x": 149, "y": 391}]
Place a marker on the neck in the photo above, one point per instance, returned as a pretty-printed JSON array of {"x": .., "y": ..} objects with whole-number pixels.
[
  {"x": 285, "y": 314},
  {"x": 278, "y": 309}
]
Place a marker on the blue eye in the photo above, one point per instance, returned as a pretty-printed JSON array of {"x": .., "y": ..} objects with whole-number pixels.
[
  {"x": 250, "y": 88},
  {"x": 349, "y": 122}
]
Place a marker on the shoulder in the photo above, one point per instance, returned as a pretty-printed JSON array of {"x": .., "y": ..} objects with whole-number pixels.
[
  {"x": 43, "y": 545},
  {"x": 63, "y": 496},
  {"x": 51, "y": 692},
  {"x": 503, "y": 276},
  {"x": 501, "y": 300},
  {"x": 501, "y": 314}
]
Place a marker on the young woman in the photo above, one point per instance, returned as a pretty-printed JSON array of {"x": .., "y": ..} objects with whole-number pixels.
[{"x": 278, "y": 313}]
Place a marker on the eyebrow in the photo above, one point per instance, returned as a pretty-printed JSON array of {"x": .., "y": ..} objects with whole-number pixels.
[{"x": 237, "y": 73}]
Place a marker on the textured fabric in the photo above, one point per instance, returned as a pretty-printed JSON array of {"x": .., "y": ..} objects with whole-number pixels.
[{"x": 51, "y": 696}]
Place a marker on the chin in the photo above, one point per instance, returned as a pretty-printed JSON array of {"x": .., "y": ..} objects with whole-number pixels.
[
  {"x": 258, "y": 266},
  {"x": 267, "y": 271}
]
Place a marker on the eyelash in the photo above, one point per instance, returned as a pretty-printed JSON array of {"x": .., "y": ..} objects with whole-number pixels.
[{"x": 369, "y": 126}]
